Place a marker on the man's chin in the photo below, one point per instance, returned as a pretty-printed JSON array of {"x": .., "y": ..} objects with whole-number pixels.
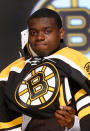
[{"x": 42, "y": 54}]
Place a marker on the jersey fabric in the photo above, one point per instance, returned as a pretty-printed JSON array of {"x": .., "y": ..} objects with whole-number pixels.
[{"x": 38, "y": 86}]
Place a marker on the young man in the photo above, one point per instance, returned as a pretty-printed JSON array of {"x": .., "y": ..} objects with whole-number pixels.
[
  {"x": 47, "y": 86},
  {"x": 46, "y": 35}
]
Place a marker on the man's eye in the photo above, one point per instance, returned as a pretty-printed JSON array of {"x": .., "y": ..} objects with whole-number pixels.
[
  {"x": 48, "y": 31},
  {"x": 33, "y": 33}
]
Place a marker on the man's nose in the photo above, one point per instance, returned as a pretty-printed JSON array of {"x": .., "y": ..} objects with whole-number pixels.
[{"x": 40, "y": 36}]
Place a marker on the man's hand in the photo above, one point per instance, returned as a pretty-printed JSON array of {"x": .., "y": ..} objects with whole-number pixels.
[{"x": 65, "y": 116}]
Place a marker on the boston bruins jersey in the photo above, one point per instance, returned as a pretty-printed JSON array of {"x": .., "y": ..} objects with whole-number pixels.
[{"x": 38, "y": 86}]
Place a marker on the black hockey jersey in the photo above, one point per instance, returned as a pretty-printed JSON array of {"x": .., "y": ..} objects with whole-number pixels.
[{"x": 38, "y": 86}]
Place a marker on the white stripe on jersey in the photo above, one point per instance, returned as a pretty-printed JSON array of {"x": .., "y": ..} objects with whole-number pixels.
[
  {"x": 83, "y": 102},
  {"x": 67, "y": 90},
  {"x": 68, "y": 61},
  {"x": 16, "y": 129},
  {"x": 16, "y": 69}
]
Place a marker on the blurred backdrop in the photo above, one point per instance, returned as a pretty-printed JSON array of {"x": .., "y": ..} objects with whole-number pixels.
[{"x": 13, "y": 19}]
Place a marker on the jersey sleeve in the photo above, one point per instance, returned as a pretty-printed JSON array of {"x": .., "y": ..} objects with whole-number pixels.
[
  {"x": 82, "y": 100},
  {"x": 9, "y": 119}
]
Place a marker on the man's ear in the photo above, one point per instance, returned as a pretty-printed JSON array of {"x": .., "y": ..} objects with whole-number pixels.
[{"x": 62, "y": 32}]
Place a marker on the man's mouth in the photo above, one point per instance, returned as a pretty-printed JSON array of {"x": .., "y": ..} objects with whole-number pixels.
[{"x": 41, "y": 44}]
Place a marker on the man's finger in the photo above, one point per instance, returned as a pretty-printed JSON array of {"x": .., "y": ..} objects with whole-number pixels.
[{"x": 68, "y": 109}]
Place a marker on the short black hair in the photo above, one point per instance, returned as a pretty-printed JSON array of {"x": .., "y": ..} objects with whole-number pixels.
[{"x": 45, "y": 12}]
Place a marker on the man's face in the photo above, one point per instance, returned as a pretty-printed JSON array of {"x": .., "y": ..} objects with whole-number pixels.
[{"x": 44, "y": 35}]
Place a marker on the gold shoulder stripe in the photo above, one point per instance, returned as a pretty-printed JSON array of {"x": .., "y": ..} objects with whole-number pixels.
[
  {"x": 79, "y": 94},
  {"x": 20, "y": 63},
  {"x": 77, "y": 57},
  {"x": 10, "y": 124},
  {"x": 84, "y": 112}
]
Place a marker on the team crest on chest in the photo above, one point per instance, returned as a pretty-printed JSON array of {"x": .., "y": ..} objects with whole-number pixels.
[{"x": 39, "y": 87}]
